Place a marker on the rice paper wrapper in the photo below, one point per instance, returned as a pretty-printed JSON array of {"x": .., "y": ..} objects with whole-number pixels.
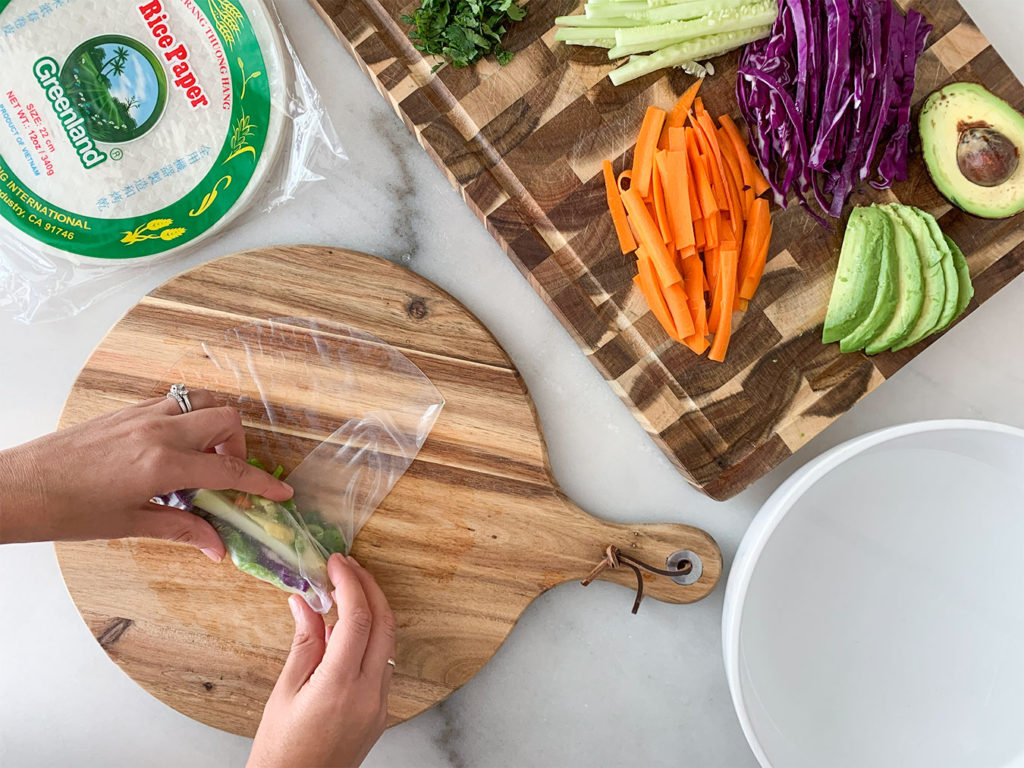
[
  {"x": 341, "y": 412},
  {"x": 132, "y": 131}
]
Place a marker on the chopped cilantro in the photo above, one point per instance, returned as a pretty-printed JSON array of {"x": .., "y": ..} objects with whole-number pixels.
[{"x": 463, "y": 30}]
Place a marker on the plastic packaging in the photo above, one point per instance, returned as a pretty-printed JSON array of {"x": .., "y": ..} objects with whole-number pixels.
[
  {"x": 342, "y": 412},
  {"x": 130, "y": 130}
]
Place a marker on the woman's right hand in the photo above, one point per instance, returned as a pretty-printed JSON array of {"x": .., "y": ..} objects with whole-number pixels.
[
  {"x": 329, "y": 706},
  {"x": 95, "y": 480}
]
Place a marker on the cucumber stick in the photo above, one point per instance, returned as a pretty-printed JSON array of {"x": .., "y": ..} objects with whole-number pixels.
[
  {"x": 581, "y": 20},
  {"x": 662, "y": 14},
  {"x": 653, "y": 37},
  {"x": 675, "y": 33},
  {"x": 611, "y": 10},
  {"x": 576, "y": 34},
  {"x": 596, "y": 43},
  {"x": 692, "y": 50},
  {"x": 652, "y": 12}
]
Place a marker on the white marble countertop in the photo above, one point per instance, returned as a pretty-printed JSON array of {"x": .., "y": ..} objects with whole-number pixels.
[{"x": 579, "y": 681}]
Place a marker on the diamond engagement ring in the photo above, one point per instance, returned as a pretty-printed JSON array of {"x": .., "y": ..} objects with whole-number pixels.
[{"x": 179, "y": 393}]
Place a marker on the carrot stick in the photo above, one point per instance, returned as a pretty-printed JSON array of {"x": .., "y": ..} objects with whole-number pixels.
[
  {"x": 673, "y": 169},
  {"x": 618, "y": 211},
  {"x": 708, "y": 142},
  {"x": 632, "y": 229},
  {"x": 658, "y": 193},
  {"x": 755, "y": 247},
  {"x": 740, "y": 170},
  {"x": 697, "y": 343},
  {"x": 650, "y": 236},
  {"x": 675, "y": 297},
  {"x": 736, "y": 172},
  {"x": 741, "y": 304},
  {"x": 698, "y": 167},
  {"x": 748, "y": 200},
  {"x": 646, "y": 144},
  {"x": 713, "y": 271},
  {"x": 698, "y": 233},
  {"x": 751, "y": 172},
  {"x": 628, "y": 176},
  {"x": 676, "y": 138},
  {"x": 698, "y": 105},
  {"x": 676, "y": 117},
  {"x": 728, "y": 295},
  {"x": 756, "y": 270},
  {"x": 729, "y": 155},
  {"x": 714, "y": 310},
  {"x": 736, "y": 214},
  {"x": 712, "y": 230},
  {"x": 691, "y": 188},
  {"x": 714, "y": 261},
  {"x": 648, "y": 285},
  {"x": 649, "y": 204},
  {"x": 693, "y": 279}
]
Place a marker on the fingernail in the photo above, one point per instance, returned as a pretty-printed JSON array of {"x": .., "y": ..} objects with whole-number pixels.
[
  {"x": 352, "y": 561},
  {"x": 293, "y": 607},
  {"x": 212, "y": 554},
  {"x": 288, "y": 488}
]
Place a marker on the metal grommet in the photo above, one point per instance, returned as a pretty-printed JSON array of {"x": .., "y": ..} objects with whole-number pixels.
[{"x": 679, "y": 561}]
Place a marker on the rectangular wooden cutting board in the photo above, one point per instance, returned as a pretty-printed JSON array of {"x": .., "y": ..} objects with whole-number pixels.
[{"x": 523, "y": 144}]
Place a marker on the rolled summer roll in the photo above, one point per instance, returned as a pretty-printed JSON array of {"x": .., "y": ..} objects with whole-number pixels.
[{"x": 270, "y": 540}]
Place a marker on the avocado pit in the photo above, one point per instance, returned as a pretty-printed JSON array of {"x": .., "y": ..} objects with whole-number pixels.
[{"x": 985, "y": 156}]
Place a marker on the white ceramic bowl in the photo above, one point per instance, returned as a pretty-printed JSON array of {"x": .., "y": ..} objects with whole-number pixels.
[{"x": 874, "y": 615}]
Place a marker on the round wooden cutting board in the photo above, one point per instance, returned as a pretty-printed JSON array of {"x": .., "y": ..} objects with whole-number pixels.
[{"x": 468, "y": 537}]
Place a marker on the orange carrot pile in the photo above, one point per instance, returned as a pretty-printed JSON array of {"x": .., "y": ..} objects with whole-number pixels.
[{"x": 691, "y": 209}]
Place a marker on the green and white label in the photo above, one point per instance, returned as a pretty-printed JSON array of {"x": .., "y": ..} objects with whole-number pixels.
[{"x": 130, "y": 127}]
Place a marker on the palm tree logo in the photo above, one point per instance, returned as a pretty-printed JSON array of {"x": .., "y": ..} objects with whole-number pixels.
[
  {"x": 116, "y": 84},
  {"x": 116, "y": 62}
]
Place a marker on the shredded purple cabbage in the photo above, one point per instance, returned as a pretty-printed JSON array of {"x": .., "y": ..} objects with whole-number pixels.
[{"x": 826, "y": 98}]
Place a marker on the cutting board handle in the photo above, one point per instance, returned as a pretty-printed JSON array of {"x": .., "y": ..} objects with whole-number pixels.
[{"x": 665, "y": 546}]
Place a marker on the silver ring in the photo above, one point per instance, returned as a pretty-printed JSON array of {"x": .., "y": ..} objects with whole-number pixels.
[
  {"x": 392, "y": 663},
  {"x": 179, "y": 393}
]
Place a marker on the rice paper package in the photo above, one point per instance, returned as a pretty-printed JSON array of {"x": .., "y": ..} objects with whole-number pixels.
[
  {"x": 131, "y": 130},
  {"x": 294, "y": 380}
]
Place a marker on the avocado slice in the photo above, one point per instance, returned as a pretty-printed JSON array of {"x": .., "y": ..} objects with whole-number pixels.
[
  {"x": 963, "y": 274},
  {"x": 972, "y": 142},
  {"x": 931, "y": 272},
  {"x": 910, "y": 291},
  {"x": 886, "y": 295},
  {"x": 948, "y": 270},
  {"x": 856, "y": 281}
]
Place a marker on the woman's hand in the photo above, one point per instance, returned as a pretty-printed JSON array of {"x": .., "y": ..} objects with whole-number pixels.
[
  {"x": 95, "y": 480},
  {"x": 329, "y": 706}
]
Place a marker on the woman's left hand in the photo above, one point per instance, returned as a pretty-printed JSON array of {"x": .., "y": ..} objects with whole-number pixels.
[
  {"x": 330, "y": 704},
  {"x": 95, "y": 480}
]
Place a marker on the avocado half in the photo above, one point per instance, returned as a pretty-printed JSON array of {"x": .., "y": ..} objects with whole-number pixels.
[{"x": 972, "y": 142}]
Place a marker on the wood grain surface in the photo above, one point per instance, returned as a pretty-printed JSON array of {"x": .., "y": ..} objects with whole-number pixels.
[
  {"x": 523, "y": 145},
  {"x": 467, "y": 538}
]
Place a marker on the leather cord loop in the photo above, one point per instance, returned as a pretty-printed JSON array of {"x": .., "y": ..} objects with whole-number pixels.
[{"x": 614, "y": 557}]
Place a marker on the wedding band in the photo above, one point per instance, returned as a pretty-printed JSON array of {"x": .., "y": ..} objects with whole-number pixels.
[
  {"x": 179, "y": 393},
  {"x": 392, "y": 663}
]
